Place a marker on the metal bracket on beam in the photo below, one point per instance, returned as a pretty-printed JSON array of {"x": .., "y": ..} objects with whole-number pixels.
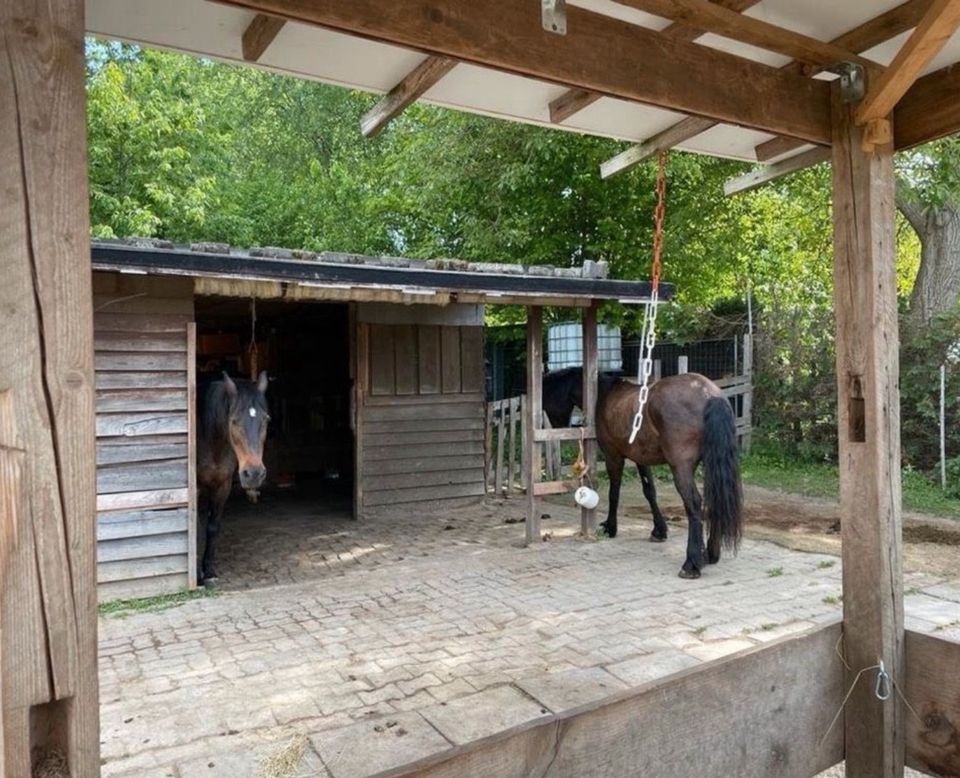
[
  {"x": 553, "y": 15},
  {"x": 853, "y": 86}
]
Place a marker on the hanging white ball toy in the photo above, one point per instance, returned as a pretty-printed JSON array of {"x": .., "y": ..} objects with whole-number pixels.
[{"x": 586, "y": 497}]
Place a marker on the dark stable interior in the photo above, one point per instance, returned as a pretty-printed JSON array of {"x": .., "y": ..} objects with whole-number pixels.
[{"x": 305, "y": 349}]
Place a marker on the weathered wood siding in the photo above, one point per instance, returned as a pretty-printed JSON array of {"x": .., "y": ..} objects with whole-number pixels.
[
  {"x": 145, "y": 497},
  {"x": 421, "y": 415}
]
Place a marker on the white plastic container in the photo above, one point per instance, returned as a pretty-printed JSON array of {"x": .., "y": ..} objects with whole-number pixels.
[
  {"x": 565, "y": 346},
  {"x": 586, "y": 497}
]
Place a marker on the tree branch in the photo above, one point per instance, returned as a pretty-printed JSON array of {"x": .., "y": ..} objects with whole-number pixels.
[{"x": 908, "y": 205}]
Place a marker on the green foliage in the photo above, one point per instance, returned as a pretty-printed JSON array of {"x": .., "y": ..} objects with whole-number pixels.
[
  {"x": 922, "y": 351},
  {"x": 772, "y": 467},
  {"x": 122, "y": 608}
]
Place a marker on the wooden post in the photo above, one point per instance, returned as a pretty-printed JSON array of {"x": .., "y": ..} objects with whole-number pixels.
[
  {"x": 513, "y": 407},
  {"x": 501, "y": 417},
  {"x": 192, "y": 455},
  {"x": 588, "y": 518},
  {"x": 524, "y": 443},
  {"x": 865, "y": 302},
  {"x": 48, "y": 598},
  {"x": 747, "y": 408},
  {"x": 534, "y": 418},
  {"x": 683, "y": 364}
]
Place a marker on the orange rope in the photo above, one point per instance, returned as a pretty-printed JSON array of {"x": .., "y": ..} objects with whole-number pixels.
[{"x": 659, "y": 216}]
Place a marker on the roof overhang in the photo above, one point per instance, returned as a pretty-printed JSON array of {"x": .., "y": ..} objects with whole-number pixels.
[{"x": 351, "y": 277}]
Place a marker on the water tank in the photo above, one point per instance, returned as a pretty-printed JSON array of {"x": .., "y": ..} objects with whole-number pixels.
[{"x": 565, "y": 346}]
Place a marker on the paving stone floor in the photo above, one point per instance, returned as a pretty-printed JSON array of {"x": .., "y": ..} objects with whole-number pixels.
[{"x": 395, "y": 638}]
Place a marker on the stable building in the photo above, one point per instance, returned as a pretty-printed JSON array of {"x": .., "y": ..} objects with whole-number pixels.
[{"x": 377, "y": 389}]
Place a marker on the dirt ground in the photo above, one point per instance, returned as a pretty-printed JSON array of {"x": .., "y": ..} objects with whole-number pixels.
[{"x": 931, "y": 544}]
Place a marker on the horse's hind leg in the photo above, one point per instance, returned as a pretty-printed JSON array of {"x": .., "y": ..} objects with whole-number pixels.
[
  {"x": 687, "y": 487},
  {"x": 659, "y": 533},
  {"x": 615, "y": 471},
  {"x": 713, "y": 545}
]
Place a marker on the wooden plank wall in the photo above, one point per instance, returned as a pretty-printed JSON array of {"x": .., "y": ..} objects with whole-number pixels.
[
  {"x": 145, "y": 496},
  {"x": 422, "y": 423},
  {"x": 760, "y": 713}
]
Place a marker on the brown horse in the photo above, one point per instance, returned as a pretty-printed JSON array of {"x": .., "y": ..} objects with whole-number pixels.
[
  {"x": 233, "y": 426},
  {"x": 686, "y": 420}
]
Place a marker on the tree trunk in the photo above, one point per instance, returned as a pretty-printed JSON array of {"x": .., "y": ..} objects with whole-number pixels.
[{"x": 937, "y": 288}]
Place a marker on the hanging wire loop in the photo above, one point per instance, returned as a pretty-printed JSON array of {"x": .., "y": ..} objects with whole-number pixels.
[{"x": 648, "y": 335}]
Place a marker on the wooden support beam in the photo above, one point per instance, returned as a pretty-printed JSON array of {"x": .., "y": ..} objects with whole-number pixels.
[
  {"x": 565, "y": 433},
  {"x": 674, "y": 135},
  {"x": 865, "y": 302},
  {"x": 708, "y": 17},
  {"x": 570, "y": 102},
  {"x": 575, "y": 100},
  {"x": 864, "y": 37},
  {"x": 588, "y": 518},
  {"x": 410, "y": 89},
  {"x": 763, "y": 712},
  {"x": 598, "y": 53},
  {"x": 764, "y": 175},
  {"x": 259, "y": 35},
  {"x": 937, "y": 27},
  {"x": 930, "y": 110},
  {"x": 933, "y": 690},
  {"x": 48, "y": 597},
  {"x": 534, "y": 418}
]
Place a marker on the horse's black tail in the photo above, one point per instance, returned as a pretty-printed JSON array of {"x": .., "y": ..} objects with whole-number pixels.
[{"x": 723, "y": 493}]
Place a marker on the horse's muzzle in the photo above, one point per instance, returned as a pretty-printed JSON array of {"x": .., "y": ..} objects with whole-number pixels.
[{"x": 252, "y": 477}]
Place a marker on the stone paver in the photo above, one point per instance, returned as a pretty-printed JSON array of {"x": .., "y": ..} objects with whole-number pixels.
[
  {"x": 447, "y": 633},
  {"x": 375, "y": 745}
]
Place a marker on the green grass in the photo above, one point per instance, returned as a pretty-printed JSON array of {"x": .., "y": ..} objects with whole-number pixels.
[
  {"x": 815, "y": 479},
  {"x": 832, "y": 599},
  {"x": 122, "y": 608},
  {"x": 823, "y": 564},
  {"x": 774, "y": 572}
]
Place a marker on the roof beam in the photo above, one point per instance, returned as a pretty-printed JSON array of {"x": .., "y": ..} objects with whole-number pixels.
[
  {"x": 767, "y": 173},
  {"x": 259, "y": 35},
  {"x": 662, "y": 141},
  {"x": 929, "y": 110},
  {"x": 408, "y": 91},
  {"x": 864, "y": 37},
  {"x": 598, "y": 53},
  {"x": 861, "y": 38},
  {"x": 708, "y": 17},
  {"x": 575, "y": 100},
  {"x": 937, "y": 26}
]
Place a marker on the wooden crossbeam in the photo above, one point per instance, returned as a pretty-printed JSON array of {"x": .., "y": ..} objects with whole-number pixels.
[
  {"x": 709, "y": 17},
  {"x": 259, "y": 34},
  {"x": 682, "y": 131},
  {"x": 767, "y": 173},
  {"x": 929, "y": 110},
  {"x": 931, "y": 35},
  {"x": 861, "y": 38},
  {"x": 575, "y": 100},
  {"x": 410, "y": 89},
  {"x": 598, "y": 53}
]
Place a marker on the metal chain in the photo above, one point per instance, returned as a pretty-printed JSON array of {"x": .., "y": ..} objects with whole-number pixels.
[{"x": 648, "y": 335}]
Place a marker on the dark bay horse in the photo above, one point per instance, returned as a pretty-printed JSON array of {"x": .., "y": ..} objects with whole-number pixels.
[
  {"x": 233, "y": 427},
  {"x": 687, "y": 420}
]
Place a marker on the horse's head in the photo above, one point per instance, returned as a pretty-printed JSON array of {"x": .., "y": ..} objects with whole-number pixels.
[{"x": 247, "y": 419}]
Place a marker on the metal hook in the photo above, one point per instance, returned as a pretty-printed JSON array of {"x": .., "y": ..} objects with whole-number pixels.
[{"x": 882, "y": 689}]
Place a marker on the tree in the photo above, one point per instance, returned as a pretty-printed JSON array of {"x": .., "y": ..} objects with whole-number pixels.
[{"x": 928, "y": 195}]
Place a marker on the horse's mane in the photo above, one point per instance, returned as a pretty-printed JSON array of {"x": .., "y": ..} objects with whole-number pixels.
[{"x": 214, "y": 412}]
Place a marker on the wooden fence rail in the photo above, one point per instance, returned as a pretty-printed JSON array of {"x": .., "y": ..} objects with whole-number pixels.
[{"x": 506, "y": 442}]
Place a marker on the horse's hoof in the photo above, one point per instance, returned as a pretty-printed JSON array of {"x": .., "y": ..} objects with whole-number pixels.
[
  {"x": 689, "y": 574},
  {"x": 712, "y": 560},
  {"x": 654, "y": 538},
  {"x": 605, "y": 528},
  {"x": 211, "y": 583}
]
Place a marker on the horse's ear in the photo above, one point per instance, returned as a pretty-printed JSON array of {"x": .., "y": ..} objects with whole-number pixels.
[
  {"x": 229, "y": 384},
  {"x": 262, "y": 382}
]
